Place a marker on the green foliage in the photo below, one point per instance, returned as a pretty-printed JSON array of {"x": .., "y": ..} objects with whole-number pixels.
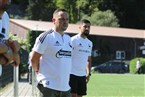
[
  {"x": 23, "y": 68},
  {"x": 41, "y": 9},
  {"x": 129, "y": 12},
  {"x": 103, "y": 18},
  {"x": 25, "y": 44},
  {"x": 87, "y": 6},
  {"x": 22, "y": 42},
  {"x": 61, "y": 3},
  {"x": 23, "y": 54},
  {"x": 69, "y": 5},
  {"x": 81, "y": 3},
  {"x": 31, "y": 37},
  {"x": 132, "y": 65}
]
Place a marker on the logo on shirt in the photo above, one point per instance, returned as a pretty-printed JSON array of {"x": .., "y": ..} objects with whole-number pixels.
[
  {"x": 89, "y": 46},
  {"x": 47, "y": 82},
  {"x": 57, "y": 43},
  {"x": 84, "y": 51},
  {"x": 63, "y": 53},
  {"x": 80, "y": 45}
]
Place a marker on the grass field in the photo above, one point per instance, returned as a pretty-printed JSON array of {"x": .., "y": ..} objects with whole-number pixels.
[{"x": 116, "y": 85}]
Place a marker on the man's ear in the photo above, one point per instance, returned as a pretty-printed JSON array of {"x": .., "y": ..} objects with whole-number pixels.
[{"x": 53, "y": 20}]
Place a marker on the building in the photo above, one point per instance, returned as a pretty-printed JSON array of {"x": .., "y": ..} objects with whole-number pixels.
[{"x": 108, "y": 42}]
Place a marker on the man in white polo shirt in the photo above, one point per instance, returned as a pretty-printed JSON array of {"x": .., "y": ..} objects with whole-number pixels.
[
  {"x": 8, "y": 48},
  {"x": 51, "y": 58},
  {"x": 81, "y": 60},
  {"x": 4, "y": 26},
  {"x": 138, "y": 66}
]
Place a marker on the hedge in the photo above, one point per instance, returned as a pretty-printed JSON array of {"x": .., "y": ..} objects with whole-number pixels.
[{"x": 132, "y": 65}]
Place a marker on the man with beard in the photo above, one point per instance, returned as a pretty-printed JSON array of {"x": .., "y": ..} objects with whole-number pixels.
[
  {"x": 51, "y": 58},
  {"x": 81, "y": 60}
]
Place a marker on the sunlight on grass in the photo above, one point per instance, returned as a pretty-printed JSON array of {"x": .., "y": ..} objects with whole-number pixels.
[{"x": 116, "y": 85}]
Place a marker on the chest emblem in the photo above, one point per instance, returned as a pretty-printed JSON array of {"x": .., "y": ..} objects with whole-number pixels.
[{"x": 57, "y": 43}]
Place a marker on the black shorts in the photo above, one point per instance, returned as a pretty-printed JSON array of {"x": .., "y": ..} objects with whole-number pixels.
[
  {"x": 78, "y": 84},
  {"x": 47, "y": 92}
]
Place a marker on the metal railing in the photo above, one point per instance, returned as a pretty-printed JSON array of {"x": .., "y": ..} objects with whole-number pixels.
[
  {"x": 16, "y": 81},
  {"x": 35, "y": 91},
  {"x": 16, "y": 93}
]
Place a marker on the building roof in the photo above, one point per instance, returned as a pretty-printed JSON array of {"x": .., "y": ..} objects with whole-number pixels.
[{"x": 74, "y": 28}]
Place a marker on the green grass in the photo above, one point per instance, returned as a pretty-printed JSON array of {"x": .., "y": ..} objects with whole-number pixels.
[{"x": 116, "y": 85}]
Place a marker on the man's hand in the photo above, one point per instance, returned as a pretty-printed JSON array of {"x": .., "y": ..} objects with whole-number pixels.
[
  {"x": 3, "y": 59},
  {"x": 12, "y": 56},
  {"x": 9, "y": 55},
  {"x": 3, "y": 47},
  {"x": 87, "y": 78},
  {"x": 14, "y": 45},
  {"x": 16, "y": 59},
  {"x": 6, "y": 54}
]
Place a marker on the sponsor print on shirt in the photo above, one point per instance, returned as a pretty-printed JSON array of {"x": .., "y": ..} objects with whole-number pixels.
[
  {"x": 82, "y": 48},
  {"x": 84, "y": 51},
  {"x": 63, "y": 53}
]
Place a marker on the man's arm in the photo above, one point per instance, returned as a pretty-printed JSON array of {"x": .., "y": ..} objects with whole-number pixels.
[
  {"x": 5, "y": 53},
  {"x": 35, "y": 61},
  {"x": 15, "y": 46},
  {"x": 88, "y": 68},
  {"x": 3, "y": 47},
  {"x": 9, "y": 49}
]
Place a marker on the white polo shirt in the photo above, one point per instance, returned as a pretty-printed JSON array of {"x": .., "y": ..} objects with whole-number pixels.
[
  {"x": 4, "y": 25},
  {"x": 137, "y": 65},
  {"x": 55, "y": 63},
  {"x": 81, "y": 51}
]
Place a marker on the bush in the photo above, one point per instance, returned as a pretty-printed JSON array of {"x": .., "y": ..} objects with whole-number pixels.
[
  {"x": 31, "y": 37},
  {"x": 132, "y": 65}
]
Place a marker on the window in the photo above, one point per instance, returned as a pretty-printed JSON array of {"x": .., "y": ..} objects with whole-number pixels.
[{"x": 120, "y": 54}]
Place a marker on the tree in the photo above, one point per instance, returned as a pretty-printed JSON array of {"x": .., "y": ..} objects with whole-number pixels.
[
  {"x": 103, "y": 18},
  {"x": 87, "y": 6},
  {"x": 129, "y": 12},
  {"x": 41, "y": 9},
  {"x": 69, "y": 5}
]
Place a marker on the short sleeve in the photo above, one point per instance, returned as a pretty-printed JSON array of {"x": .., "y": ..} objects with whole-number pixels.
[
  {"x": 41, "y": 43},
  {"x": 91, "y": 46}
]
